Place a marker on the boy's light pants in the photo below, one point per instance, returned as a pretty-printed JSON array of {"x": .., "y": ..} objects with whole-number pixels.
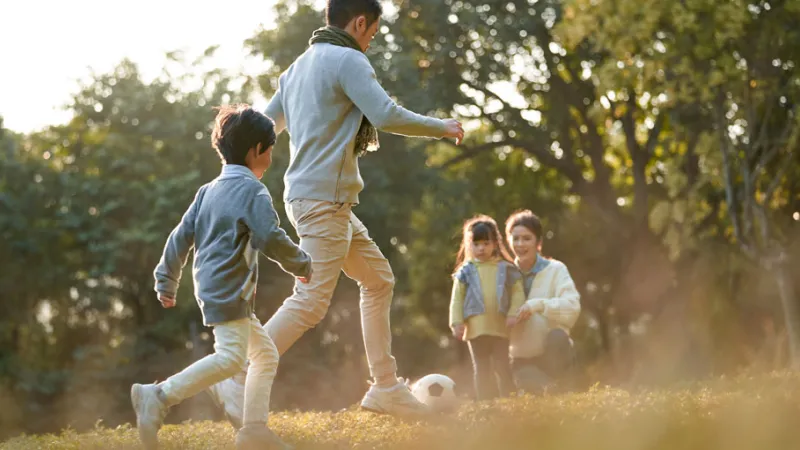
[
  {"x": 337, "y": 241},
  {"x": 234, "y": 343}
]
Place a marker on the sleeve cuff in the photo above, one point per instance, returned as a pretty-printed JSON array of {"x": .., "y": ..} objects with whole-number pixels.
[
  {"x": 166, "y": 288},
  {"x": 307, "y": 268},
  {"x": 440, "y": 125},
  {"x": 538, "y": 305}
]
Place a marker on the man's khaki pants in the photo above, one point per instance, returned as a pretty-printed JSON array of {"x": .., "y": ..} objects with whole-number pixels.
[{"x": 337, "y": 241}]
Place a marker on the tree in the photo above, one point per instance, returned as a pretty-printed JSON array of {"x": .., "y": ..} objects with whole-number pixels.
[
  {"x": 86, "y": 208},
  {"x": 731, "y": 67},
  {"x": 527, "y": 93},
  {"x": 501, "y": 64}
]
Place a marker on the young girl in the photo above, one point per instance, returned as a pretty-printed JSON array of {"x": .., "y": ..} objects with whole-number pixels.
[{"x": 486, "y": 297}]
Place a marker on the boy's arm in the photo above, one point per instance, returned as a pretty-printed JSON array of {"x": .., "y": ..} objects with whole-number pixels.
[
  {"x": 275, "y": 109},
  {"x": 269, "y": 238},
  {"x": 176, "y": 251},
  {"x": 360, "y": 83}
]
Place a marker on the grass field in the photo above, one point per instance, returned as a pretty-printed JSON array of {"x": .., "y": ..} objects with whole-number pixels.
[{"x": 748, "y": 412}]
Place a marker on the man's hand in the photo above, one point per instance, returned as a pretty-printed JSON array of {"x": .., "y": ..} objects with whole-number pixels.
[
  {"x": 454, "y": 130},
  {"x": 166, "y": 302},
  {"x": 458, "y": 331},
  {"x": 306, "y": 280}
]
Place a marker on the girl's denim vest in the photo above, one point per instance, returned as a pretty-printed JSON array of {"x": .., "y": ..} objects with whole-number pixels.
[{"x": 507, "y": 275}]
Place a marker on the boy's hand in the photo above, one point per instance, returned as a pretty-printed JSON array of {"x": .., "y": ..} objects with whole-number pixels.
[
  {"x": 511, "y": 322},
  {"x": 458, "y": 331},
  {"x": 454, "y": 130},
  {"x": 166, "y": 302}
]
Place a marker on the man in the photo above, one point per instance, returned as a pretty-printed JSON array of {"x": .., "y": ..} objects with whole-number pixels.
[{"x": 331, "y": 103}]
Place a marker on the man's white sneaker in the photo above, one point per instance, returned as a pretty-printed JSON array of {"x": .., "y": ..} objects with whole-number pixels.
[
  {"x": 229, "y": 395},
  {"x": 396, "y": 401},
  {"x": 150, "y": 412}
]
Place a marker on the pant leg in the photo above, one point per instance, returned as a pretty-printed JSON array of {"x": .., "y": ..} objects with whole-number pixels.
[
  {"x": 366, "y": 265},
  {"x": 555, "y": 366},
  {"x": 230, "y": 353},
  {"x": 502, "y": 366},
  {"x": 324, "y": 230},
  {"x": 480, "y": 348},
  {"x": 529, "y": 377},
  {"x": 558, "y": 358},
  {"x": 263, "y": 356}
]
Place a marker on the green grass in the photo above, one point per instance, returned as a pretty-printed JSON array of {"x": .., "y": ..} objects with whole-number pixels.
[{"x": 743, "y": 413}]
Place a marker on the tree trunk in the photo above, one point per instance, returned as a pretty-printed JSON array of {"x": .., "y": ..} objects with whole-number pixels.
[
  {"x": 791, "y": 312},
  {"x": 604, "y": 330},
  {"x": 623, "y": 357}
]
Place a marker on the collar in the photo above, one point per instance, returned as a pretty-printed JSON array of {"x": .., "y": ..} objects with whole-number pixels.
[
  {"x": 236, "y": 171},
  {"x": 538, "y": 266},
  {"x": 490, "y": 261}
]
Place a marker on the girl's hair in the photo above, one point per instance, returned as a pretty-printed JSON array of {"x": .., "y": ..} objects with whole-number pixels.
[
  {"x": 480, "y": 228},
  {"x": 527, "y": 219}
]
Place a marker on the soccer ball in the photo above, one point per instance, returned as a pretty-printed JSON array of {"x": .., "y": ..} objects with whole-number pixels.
[{"x": 437, "y": 391}]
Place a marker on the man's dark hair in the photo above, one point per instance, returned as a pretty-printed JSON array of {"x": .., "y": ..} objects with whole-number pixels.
[
  {"x": 339, "y": 13},
  {"x": 237, "y": 129}
]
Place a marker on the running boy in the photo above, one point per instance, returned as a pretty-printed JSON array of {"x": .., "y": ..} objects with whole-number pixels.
[{"x": 229, "y": 221}]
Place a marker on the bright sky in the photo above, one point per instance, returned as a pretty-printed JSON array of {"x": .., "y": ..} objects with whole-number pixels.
[{"x": 47, "y": 46}]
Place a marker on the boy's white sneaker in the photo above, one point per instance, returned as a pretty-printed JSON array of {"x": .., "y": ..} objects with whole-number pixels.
[
  {"x": 150, "y": 412},
  {"x": 229, "y": 395},
  {"x": 396, "y": 401}
]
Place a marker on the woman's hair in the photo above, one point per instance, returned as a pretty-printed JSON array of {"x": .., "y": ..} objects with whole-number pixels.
[
  {"x": 480, "y": 228},
  {"x": 527, "y": 219}
]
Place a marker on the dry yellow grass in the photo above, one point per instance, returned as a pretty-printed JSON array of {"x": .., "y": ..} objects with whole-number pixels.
[{"x": 733, "y": 414}]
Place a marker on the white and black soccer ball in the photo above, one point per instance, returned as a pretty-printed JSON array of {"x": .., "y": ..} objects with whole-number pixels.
[{"x": 437, "y": 391}]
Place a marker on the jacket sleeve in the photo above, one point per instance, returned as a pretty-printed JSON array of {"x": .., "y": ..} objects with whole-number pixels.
[
  {"x": 275, "y": 109},
  {"x": 457, "y": 302},
  {"x": 361, "y": 85},
  {"x": 267, "y": 236},
  {"x": 176, "y": 251},
  {"x": 564, "y": 307}
]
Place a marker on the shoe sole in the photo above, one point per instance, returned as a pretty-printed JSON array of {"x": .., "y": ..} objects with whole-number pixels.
[
  {"x": 367, "y": 405},
  {"x": 148, "y": 437},
  {"x": 374, "y": 408}
]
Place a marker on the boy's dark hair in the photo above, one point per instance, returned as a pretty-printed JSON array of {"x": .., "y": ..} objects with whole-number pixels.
[
  {"x": 237, "y": 129},
  {"x": 527, "y": 219},
  {"x": 339, "y": 13}
]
